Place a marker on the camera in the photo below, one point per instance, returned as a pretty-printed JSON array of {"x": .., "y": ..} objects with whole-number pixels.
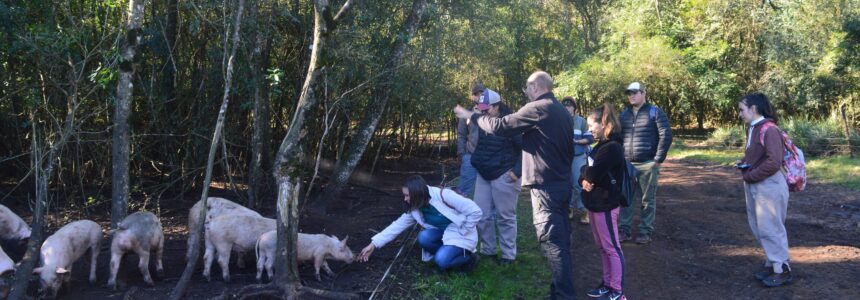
[{"x": 742, "y": 166}]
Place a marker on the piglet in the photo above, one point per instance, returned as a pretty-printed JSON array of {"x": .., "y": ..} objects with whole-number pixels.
[
  {"x": 7, "y": 268},
  {"x": 62, "y": 249},
  {"x": 217, "y": 207},
  {"x": 140, "y": 233},
  {"x": 12, "y": 227},
  {"x": 316, "y": 247},
  {"x": 232, "y": 233}
]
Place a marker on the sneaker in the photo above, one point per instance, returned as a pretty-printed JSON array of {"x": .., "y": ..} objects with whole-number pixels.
[
  {"x": 779, "y": 279},
  {"x": 643, "y": 238},
  {"x": 613, "y": 295},
  {"x": 624, "y": 237},
  {"x": 571, "y": 213},
  {"x": 599, "y": 291},
  {"x": 584, "y": 219},
  {"x": 505, "y": 262},
  {"x": 765, "y": 272}
]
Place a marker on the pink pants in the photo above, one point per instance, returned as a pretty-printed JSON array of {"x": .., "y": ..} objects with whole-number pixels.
[{"x": 604, "y": 227}]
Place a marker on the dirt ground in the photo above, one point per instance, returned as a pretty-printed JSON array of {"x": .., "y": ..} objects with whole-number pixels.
[{"x": 702, "y": 246}]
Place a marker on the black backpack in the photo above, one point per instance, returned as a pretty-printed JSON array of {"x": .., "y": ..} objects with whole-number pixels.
[{"x": 628, "y": 180}]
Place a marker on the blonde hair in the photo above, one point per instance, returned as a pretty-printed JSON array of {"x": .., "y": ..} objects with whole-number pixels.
[{"x": 605, "y": 113}]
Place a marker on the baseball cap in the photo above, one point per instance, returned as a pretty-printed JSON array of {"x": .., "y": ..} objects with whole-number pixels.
[
  {"x": 487, "y": 98},
  {"x": 477, "y": 87},
  {"x": 636, "y": 86}
]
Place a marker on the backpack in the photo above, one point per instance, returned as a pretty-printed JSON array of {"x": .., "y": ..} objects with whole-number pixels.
[
  {"x": 793, "y": 163},
  {"x": 652, "y": 113},
  {"x": 627, "y": 183}
]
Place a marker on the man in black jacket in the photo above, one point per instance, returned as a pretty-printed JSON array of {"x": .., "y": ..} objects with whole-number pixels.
[
  {"x": 547, "y": 155},
  {"x": 647, "y": 137}
]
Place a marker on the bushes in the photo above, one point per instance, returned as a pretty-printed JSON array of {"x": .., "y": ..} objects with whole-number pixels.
[{"x": 816, "y": 138}]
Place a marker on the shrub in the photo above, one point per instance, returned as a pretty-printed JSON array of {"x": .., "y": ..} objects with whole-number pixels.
[{"x": 730, "y": 136}]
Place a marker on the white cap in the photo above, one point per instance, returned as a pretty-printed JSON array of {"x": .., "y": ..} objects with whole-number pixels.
[
  {"x": 487, "y": 98},
  {"x": 635, "y": 86}
]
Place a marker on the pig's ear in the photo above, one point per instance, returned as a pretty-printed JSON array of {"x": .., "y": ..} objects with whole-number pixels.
[
  {"x": 37, "y": 271},
  {"x": 344, "y": 240},
  {"x": 62, "y": 271}
]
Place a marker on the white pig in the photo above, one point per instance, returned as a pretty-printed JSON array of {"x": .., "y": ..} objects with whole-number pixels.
[
  {"x": 217, "y": 207},
  {"x": 316, "y": 247},
  {"x": 232, "y": 233},
  {"x": 140, "y": 233},
  {"x": 12, "y": 227},
  {"x": 62, "y": 249},
  {"x": 6, "y": 264}
]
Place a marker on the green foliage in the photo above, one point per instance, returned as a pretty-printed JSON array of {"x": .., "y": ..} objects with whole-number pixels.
[{"x": 728, "y": 136}]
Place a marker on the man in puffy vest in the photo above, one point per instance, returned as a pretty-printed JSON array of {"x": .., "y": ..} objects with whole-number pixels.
[{"x": 647, "y": 137}]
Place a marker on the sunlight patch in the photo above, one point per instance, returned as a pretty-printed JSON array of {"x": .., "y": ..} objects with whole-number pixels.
[{"x": 811, "y": 255}]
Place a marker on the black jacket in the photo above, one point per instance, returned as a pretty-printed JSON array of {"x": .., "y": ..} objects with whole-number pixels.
[
  {"x": 547, "y": 147},
  {"x": 608, "y": 156},
  {"x": 496, "y": 154},
  {"x": 646, "y": 138}
]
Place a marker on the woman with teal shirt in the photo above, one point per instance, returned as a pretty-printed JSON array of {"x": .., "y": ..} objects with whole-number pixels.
[{"x": 449, "y": 236}]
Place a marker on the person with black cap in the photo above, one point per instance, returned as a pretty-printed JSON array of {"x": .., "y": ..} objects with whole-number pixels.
[
  {"x": 467, "y": 140},
  {"x": 582, "y": 139}
]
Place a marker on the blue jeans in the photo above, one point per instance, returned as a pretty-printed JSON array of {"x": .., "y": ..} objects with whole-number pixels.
[
  {"x": 576, "y": 166},
  {"x": 445, "y": 256},
  {"x": 468, "y": 174}
]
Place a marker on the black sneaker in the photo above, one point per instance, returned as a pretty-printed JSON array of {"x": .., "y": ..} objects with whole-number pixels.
[
  {"x": 599, "y": 291},
  {"x": 779, "y": 279},
  {"x": 765, "y": 272},
  {"x": 613, "y": 295},
  {"x": 505, "y": 262},
  {"x": 624, "y": 237},
  {"x": 470, "y": 264},
  {"x": 643, "y": 238}
]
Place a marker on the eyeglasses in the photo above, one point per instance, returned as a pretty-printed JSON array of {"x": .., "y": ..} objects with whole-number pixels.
[{"x": 631, "y": 92}]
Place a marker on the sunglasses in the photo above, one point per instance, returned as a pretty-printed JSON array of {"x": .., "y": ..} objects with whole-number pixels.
[{"x": 631, "y": 92}]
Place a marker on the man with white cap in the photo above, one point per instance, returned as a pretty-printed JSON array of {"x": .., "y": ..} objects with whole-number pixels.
[{"x": 647, "y": 138}]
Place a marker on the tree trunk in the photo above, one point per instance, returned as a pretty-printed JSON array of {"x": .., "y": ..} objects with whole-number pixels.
[
  {"x": 182, "y": 285},
  {"x": 260, "y": 141},
  {"x": 124, "y": 89},
  {"x": 290, "y": 159},
  {"x": 847, "y": 130},
  {"x": 381, "y": 93}
]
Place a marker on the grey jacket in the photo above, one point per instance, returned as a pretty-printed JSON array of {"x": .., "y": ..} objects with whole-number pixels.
[
  {"x": 647, "y": 135},
  {"x": 467, "y": 137}
]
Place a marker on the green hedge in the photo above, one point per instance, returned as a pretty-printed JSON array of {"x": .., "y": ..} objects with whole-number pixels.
[{"x": 815, "y": 138}]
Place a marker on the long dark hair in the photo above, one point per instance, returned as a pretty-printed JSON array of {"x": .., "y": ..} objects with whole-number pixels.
[
  {"x": 605, "y": 114},
  {"x": 419, "y": 193},
  {"x": 762, "y": 105},
  {"x": 504, "y": 109}
]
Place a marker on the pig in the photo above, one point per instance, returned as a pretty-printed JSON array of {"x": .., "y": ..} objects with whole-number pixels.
[
  {"x": 12, "y": 227},
  {"x": 316, "y": 247},
  {"x": 141, "y": 233},
  {"x": 6, "y": 264},
  {"x": 217, "y": 207},
  {"x": 7, "y": 268},
  {"x": 62, "y": 249},
  {"x": 232, "y": 233}
]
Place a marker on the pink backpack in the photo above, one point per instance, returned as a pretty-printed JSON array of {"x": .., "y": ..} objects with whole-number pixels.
[{"x": 793, "y": 164}]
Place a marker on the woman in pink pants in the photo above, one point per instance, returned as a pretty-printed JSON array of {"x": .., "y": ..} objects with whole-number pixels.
[{"x": 602, "y": 196}]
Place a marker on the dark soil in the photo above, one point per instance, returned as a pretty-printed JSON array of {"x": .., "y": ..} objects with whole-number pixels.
[{"x": 702, "y": 246}]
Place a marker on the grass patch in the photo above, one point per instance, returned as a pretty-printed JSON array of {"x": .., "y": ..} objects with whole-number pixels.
[
  {"x": 685, "y": 150},
  {"x": 528, "y": 278},
  {"x": 836, "y": 170}
]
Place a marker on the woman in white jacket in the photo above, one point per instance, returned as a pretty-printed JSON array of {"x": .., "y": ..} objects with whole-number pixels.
[{"x": 449, "y": 235}]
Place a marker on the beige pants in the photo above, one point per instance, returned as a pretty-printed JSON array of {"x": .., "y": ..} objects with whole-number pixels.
[
  {"x": 767, "y": 203},
  {"x": 498, "y": 200}
]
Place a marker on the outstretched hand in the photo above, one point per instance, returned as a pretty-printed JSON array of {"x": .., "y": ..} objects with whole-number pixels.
[
  {"x": 366, "y": 252},
  {"x": 462, "y": 113}
]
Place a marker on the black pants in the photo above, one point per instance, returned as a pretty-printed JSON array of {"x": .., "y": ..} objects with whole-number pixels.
[{"x": 549, "y": 206}]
